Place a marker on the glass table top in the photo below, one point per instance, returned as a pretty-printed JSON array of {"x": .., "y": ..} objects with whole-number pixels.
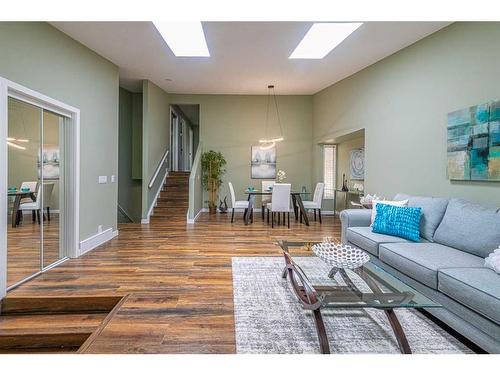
[{"x": 367, "y": 286}]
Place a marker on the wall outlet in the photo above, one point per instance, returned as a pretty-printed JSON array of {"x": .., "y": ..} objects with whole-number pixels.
[
  {"x": 99, "y": 228},
  {"x": 103, "y": 179},
  {"x": 113, "y": 178}
]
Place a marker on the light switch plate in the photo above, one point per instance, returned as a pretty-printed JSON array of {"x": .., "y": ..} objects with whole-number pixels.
[
  {"x": 103, "y": 179},
  {"x": 112, "y": 178}
]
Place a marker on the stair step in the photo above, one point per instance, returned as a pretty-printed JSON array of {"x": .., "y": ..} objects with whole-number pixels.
[
  {"x": 173, "y": 201},
  {"x": 26, "y": 333},
  {"x": 55, "y": 305},
  {"x": 169, "y": 212}
]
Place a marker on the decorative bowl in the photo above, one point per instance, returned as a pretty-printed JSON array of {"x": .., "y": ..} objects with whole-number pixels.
[{"x": 340, "y": 255}]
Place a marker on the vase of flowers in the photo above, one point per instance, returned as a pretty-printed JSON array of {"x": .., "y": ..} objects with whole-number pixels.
[{"x": 280, "y": 176}]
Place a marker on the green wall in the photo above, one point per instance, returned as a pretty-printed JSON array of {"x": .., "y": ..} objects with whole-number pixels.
[
  {"x": 38, "y": 56},
  {"x": 231, "y": 124},
  {"x": 129, "y": 189},
  {"x": 403, "y": 102},
  {"x": 156, "y": 138}
]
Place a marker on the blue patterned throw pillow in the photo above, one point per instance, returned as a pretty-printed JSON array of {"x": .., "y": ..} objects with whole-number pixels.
[{"x": 402, "y": 222}]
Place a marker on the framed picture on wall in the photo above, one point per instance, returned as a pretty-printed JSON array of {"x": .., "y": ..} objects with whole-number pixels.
[
  {"x": 50, "y": 163},
  {"x": 263, "y": 162},
  {"x": 357, "y": 164}
]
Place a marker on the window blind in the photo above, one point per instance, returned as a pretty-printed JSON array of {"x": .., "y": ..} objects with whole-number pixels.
[{"x": 329, "y": 170}]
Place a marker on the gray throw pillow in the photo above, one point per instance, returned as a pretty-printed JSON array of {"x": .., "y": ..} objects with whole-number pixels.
[
  {"x": 433, "y": 210},
  {"x": 470, "y": 227}
]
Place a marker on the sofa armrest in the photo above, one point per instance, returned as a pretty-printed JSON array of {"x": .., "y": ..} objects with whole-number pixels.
[{"x": 354, "y": 218}]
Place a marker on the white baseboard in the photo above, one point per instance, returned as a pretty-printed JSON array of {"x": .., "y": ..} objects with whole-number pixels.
[
  {"x": 96, "y": 240},
  {"x": 153, "y": 204},
  {"x": 29, "y": 212},
  {"x": 328, "y": 213},
  {"x": 323, "y": 212}
]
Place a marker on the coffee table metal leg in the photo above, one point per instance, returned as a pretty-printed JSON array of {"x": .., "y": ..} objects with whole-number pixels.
[
  {"x": 404, "y": 347},
  {"x": 320, "y": 329},
  {"x": 284, "y": 274}
]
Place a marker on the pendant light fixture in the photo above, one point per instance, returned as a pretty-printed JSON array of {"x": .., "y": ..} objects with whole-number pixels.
[{"x": 269, "y": 142}]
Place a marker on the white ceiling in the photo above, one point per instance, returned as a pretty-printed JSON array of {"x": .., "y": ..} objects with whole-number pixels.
[{"x": 245, "y": 56}]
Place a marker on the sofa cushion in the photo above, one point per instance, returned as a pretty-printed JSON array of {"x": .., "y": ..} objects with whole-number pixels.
[
  {"x": 433, "y": 210},
  {"x": 469, "y": 227},
  {"x": 421, "y": 261},
  {"x": 476, "y": 288},
  {"x": 364, "y": 238}
]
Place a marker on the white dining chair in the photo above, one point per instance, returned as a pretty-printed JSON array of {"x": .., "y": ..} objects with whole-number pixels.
[
  {"x": 32, "y": 185},
  {"x": 234, "y": 203},
  {"x": 48, "y": 188},
  {"x": 266, "y": 185},
  {"x": 280, "y": 203},
  {"x": 34, "y": 207},
  {"x": 315, "y": 204}
]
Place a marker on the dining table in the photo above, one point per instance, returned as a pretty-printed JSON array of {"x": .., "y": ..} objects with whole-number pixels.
[
  {"x": 298, "y": 207},
  {"x": 19, "y": 195}
]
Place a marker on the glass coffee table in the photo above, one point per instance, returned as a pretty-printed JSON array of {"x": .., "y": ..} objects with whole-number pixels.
[{"x": 368, "y": 286}]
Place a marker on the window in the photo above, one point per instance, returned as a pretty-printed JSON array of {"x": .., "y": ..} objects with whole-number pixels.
[{"x": 329, "y": 169}]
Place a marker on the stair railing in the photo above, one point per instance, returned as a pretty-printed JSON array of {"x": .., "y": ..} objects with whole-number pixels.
[
  {"x": 195, "y": 187},
  {"x": 158, "y": 169}
]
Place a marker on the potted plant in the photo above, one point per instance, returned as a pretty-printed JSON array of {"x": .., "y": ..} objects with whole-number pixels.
[{"x": 214, "y": 166}]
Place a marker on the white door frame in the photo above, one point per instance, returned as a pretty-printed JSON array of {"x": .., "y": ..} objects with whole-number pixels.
[
  {"x": 72, "y": 194},
  {"x": 174, "y": 129}
]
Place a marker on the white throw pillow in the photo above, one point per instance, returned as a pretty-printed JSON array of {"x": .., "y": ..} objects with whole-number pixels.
[
  {"x": 493, "y": 261},
  {"x": 390, "y": 203}
]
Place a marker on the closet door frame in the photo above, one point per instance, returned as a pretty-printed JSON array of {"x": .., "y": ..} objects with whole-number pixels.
[{"x": 71, "y": 235}]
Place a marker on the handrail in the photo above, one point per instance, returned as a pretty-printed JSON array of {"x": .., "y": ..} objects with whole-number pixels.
[
  {"x": 158, "y": 168},
  {"x": 195, "y": 189}
]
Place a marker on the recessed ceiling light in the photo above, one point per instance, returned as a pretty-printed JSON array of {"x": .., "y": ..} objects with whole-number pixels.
[
  {"x": 185, "y": 39},
  {"x": 322, "y": 38}
]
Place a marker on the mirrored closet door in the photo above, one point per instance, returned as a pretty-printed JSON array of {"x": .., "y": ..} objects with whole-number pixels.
[{"x": 35, "y": 191}]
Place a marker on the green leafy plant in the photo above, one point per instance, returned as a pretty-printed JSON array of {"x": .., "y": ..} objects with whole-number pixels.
[{"x": 213, "y": 166}]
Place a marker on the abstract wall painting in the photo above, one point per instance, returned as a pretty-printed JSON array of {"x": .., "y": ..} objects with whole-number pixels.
[
  {"x": 357, "y": 164},
  {"x": 263, "y": 162},
  {"x": 51, "y": 161},
  {"x": 474, "y": 143}
]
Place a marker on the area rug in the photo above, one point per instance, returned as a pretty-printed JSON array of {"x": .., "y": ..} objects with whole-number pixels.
[{"x": 269, "y": 319}]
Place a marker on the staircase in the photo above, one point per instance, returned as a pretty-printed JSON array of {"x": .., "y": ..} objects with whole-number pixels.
[
  {"x": 173, "y": 201},
  {"x": 48, "y": 325}
]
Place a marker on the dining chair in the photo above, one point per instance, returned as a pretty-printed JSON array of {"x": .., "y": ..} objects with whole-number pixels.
[
  {"x": 32, "y": 186},
  {"x": 266, "y": 185},
  {"x": 234, "y": 203},
  {"x": 48, "y": 188},
  {"x": 315, "y": 204},
  {"x": 34, "y": 207},
  {"x": 280, "y": 203}
]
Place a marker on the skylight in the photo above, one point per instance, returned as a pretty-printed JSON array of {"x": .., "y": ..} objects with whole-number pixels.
[
  {"x": 322, "y": 38},
  {"x": 185, "y": 39}
]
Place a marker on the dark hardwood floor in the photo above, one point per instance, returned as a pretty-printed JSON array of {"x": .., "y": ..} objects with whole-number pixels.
[
  {"x": 178, "y": 277},
  {"x": 23, "y": 247}
]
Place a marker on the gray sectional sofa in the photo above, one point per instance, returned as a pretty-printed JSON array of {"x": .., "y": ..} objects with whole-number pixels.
[{"x": 447, "y": 265}]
